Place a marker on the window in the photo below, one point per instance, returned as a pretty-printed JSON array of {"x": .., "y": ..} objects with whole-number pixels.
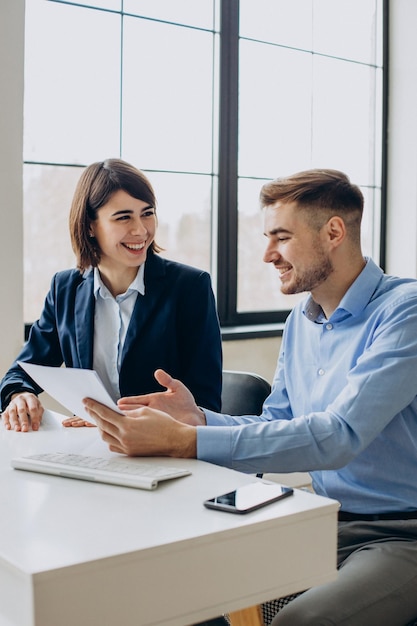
[{"x": 210, "y": 99}]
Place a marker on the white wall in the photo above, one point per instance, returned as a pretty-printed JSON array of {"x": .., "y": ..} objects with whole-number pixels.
[
  {"x": 402, "y": 140},
  {"x": 257, "y": 355},
  {"x": 252, "y": 355},
  {"x": 11, "y": 122}
]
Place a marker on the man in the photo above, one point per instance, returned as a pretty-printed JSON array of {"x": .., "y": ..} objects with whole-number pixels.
[{"x": 343, "y": 404}]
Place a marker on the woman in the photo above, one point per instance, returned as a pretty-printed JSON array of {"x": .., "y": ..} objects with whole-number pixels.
[{"x": 124, "y": 311}]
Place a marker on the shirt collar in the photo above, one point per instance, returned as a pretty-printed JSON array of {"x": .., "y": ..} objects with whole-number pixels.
[
  {"x": 355, "y": 299},
  {"x": 138, "y": 284}
]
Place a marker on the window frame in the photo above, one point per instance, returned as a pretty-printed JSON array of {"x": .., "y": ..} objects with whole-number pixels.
[
  {"x": 269, "y": 322},
  {"x": 264, "y": 323}
]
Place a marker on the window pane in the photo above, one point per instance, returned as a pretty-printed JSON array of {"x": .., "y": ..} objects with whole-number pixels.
[
  {"x": 189, "y": 12},
  {"x": 71, "y": 83},
  {"x": 299, "y": 110},
  {"x": 287, "y": 23},
  {"x": 184, "y": 209},
  {"x": 274, "y": 110},
  {"x": 343, "y": 127},
  {"x": 371, "y": 222},
  {"x": 115, "y": 5},
  {"x": 258, "y": 282},
  {"x": 48, "y": 194},
  {"x": 167, "y": 98},
  {"x": 348, "y": 29}
]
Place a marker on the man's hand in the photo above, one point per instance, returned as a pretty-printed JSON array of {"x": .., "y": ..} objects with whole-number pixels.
[
  {"x": 177, "y": 400},
  {"x": 143, "y": 432},
  {"x": 23, "y": 411}
]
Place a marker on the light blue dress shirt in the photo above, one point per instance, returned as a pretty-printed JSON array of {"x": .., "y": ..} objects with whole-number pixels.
[
  {"x": 343, "y": 403},
  {"x": 111, "y": 321}
]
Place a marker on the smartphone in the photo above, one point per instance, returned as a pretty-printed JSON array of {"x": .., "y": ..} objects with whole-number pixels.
[{"x": 249, "y": 497}]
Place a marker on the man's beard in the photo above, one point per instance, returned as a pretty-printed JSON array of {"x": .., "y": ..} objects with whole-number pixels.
[{"x": 310, "y": 278}]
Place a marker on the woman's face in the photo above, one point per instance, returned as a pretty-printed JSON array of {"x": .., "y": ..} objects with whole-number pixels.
[{"x": 124, "y": 229}]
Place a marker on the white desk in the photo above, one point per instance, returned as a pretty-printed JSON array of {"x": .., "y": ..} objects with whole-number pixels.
[{"x": 84, "y": 554}]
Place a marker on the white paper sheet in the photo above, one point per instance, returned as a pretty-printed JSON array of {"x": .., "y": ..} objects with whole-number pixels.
[{"x": 69, "y": 386}]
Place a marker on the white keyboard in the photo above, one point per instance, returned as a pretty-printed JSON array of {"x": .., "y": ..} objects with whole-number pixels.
[{"x": 128, "y": 472}]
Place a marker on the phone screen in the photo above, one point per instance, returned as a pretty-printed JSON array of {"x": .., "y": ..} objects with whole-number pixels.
[{"x": 249, "y": 497}]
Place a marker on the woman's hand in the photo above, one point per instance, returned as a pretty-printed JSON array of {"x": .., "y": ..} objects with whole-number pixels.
[
  {"x": 23, "y": 412},
  {"x": 76, "y": 422}
]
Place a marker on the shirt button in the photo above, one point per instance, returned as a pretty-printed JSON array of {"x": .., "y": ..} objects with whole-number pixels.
[
  {"x": 329, "y": 326},
  {"x": 321, "y": 372}
]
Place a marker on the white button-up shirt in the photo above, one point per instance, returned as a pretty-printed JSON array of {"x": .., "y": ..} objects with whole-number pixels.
[{"x": 111, "y": 321}]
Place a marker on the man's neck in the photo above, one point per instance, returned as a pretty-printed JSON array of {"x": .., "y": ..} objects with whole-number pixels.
[{"x": 329, "y": 294}]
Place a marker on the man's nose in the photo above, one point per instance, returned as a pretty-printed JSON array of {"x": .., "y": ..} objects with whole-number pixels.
[{"x": 271, "y": 254}]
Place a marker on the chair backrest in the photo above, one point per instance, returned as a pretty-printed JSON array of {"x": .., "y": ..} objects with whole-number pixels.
[{"x": 243, "y": 393}]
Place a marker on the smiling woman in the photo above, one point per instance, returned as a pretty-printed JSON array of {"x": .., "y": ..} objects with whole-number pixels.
[
  {"x": 124, "y": 311},
  {"x": 123, "y": 231},
  {"x": 113, "y": 221}
]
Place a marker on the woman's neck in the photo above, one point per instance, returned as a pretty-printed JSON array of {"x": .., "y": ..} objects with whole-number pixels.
[{"x": 117, "y": 281}]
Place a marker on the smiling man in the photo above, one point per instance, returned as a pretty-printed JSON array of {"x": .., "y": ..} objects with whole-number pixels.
[{"x": 343, "y": 404}]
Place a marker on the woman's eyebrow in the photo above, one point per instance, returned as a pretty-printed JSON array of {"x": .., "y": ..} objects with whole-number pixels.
[
  {"x": 122, "y": 212},
  {"x": 130, "y": 211}
]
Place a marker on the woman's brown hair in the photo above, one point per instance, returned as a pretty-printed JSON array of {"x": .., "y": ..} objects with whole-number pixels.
[{"x": 97, "y": 184}]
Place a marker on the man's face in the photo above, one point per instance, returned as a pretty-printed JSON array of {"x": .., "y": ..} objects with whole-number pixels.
[{"x": 296, "y": 249}]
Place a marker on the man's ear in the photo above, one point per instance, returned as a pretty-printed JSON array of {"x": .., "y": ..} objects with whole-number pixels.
[{"x": 335, "y": 230}]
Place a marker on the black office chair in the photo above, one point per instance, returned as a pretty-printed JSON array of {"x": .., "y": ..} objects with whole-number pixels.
[{"x": 243, "y": 393}]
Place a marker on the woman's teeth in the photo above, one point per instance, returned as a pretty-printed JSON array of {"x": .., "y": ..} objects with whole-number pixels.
[{"x": 134, "y": 246}]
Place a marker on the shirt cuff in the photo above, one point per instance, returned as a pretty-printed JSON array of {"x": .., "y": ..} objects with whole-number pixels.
[
  {"x": 214, "y": 444},
  {"x": 214, "y": 419}
]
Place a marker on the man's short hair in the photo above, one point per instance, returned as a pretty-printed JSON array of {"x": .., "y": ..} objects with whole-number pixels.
[{"x": 320, "y": 194}]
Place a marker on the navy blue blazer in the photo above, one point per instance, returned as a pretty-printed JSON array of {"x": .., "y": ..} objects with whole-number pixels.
[{"x": 174, "y": 326}]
